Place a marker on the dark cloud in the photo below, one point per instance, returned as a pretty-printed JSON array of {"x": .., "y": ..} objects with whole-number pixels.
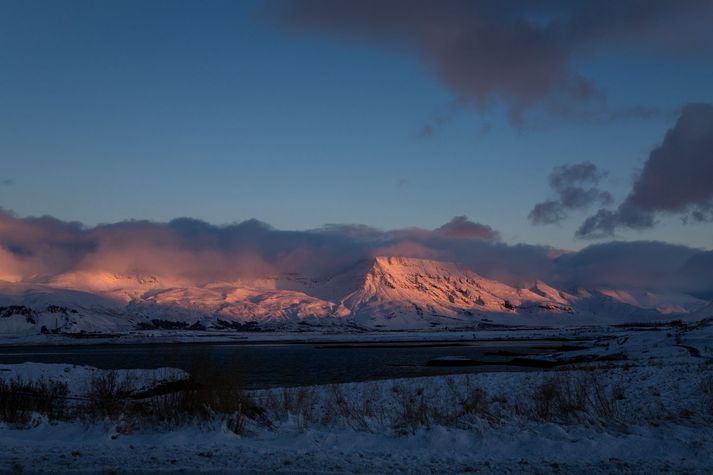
[
  {"x": 547, "y": 212},
  {"x": 678, "y": 176},
  {"x": 190, "y": 250},
  {"x": 650, "y": 265},
  {"x": 6, "y": 182},
  {"x": 461, "y": 227},
  {"x": 640, "y": 264},
  {"x": 565, "y": 176},
  {"x": 676, "y": 179},
  {"x": 604, "y": 222},
  {"x": 575, "y": 188},
  {"x": 519, "y": 53},
  {"x": 697, "y": 274}
]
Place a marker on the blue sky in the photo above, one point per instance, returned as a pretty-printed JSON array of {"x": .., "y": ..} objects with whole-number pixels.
[{"x": 153, "y": 110}]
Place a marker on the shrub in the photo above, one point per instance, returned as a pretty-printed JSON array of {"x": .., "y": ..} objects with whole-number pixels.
[
  {"x": 467, "y": 399},
  {"x": 107, "y": 394},
  {"x": 297, "y": 402},
  {"x": 355, "y": 413},
  {"x": 707, "y": 393},
  {"x": 202, "y": 402},
  {"x": 19, "y": 399},
  {"x": 559, "y": 398},
  {"x": 568, "y": 398},
  {"x": 604, "y": 400},
  {"x": 412, "y": 408}
]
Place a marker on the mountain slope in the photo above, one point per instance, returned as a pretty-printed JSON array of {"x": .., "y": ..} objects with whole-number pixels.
[
  {"x": 384, "y": 292},
  {"x": 415, "y": 289}
]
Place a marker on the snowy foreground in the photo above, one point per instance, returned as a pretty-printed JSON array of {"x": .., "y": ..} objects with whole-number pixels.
[{"x": 645, "y": 406}]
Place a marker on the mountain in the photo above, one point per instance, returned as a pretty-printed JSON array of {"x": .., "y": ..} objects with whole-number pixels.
[
  {"x": 383, "y": 292},
  {"x": 412, "y": 291}
]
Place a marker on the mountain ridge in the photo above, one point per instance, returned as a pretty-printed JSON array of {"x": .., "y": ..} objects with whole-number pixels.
[{"x": 385, "y": 292}]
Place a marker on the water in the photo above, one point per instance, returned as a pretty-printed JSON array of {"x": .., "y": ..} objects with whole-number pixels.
[{"x": 266, "y": 365}]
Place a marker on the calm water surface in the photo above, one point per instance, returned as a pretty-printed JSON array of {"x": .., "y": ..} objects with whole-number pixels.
[{"x": 265, "y": 365}]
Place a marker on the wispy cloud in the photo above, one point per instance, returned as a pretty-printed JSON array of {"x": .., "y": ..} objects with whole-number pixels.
[{"x": 575, "y": 187}]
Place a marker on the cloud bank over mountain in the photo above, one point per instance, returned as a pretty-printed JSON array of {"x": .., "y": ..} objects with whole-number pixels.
[
  {"x": 461, "y": 227},
  {"x": 33, "y": 249}
]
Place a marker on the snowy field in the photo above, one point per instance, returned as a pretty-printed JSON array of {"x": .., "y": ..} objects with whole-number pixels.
[{"x": 640, "y": 403}]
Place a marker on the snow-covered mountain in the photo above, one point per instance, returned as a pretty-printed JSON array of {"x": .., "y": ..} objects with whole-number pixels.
[
  {"x": 384, "y": 292},
  {"x": 406, "y": 291}
]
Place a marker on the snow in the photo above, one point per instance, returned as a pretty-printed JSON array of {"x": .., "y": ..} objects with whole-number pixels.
[
  {"x": 662, "y": 423},
  {"x": 544, "y": 449},
  {"x": 77, "y": 377},
  {"x": 389, "y": 293}
]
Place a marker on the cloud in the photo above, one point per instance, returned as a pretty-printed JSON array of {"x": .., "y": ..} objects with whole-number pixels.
[
  {"x": 640, "y": 264},
  {"x": 575, "y": 188},
  {"x": 518, "y": 53},
  {"x": 193, "y": 250},
  {"x": 6, "y": 182},
  {"x": 675, "y": 180},
  {"x": 697, "y": 274},
  {"x": 190, "y": 250},
  {"x": 462, "y": 228},
  {"x": 547, "y": 212}
]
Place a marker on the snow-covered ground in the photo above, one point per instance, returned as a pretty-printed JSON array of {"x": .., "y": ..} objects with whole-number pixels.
[
  {"x": 642, "y": 408},
  {"x": 544, "y": 448},
  {"x": 77, "y": 377}
]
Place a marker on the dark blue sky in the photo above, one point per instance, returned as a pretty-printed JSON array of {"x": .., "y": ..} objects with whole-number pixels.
[{"x": 215, "y": 110}]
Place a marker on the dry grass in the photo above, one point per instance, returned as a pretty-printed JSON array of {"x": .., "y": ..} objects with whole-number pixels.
[
  {"x": 569, "y": 398},
  {"x": 460, "y": 402},
  {"x": 325, "y": 406},
  {"x": 414, "y": 408},
  {"x": 298, "y": 403},
  {"x": 469, "y": 399},
  {"x": 566, "y": 397},
  {"x": 559, "y": 398},
  {"x": 19, "y": 399},
  {"x": 107, "y": 395},
  {"x": 205, "y": 396},
  {"x": 359, "y": 413},
  {"x": 707, "y": 390},
  {"x": 457, "y": 404},
  {"x": 199, "y": 403}
]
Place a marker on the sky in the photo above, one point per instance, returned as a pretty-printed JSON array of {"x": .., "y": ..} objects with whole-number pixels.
[{"x": 548, "y": 123}]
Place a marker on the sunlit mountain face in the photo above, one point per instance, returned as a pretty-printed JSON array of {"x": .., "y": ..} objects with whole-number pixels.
[
  {"x": 385, "y": 292},
  {"x": 187, "y": 273}
]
